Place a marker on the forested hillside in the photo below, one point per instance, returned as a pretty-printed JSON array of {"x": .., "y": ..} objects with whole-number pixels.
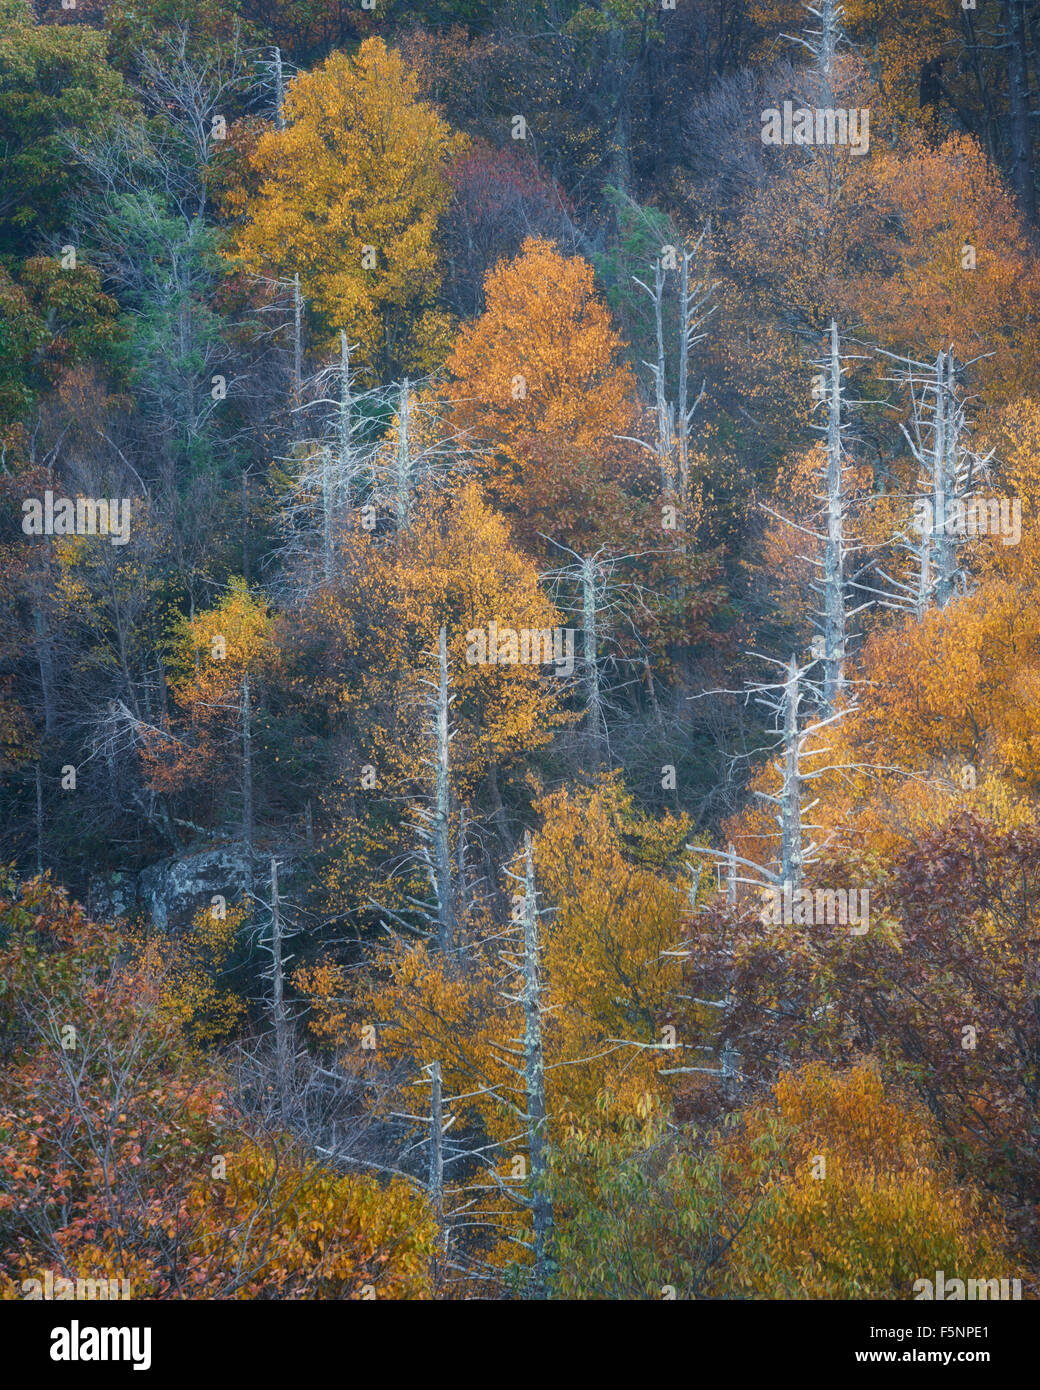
[{"x": 519, "y": 649}]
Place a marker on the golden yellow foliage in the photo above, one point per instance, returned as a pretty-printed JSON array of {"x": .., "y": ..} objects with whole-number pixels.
[
  {"x": 359, "y": 165},
  {"x": 864, "y": 1205}
]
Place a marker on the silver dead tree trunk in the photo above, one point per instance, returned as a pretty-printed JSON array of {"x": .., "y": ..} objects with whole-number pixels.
[
  {"x": 791, "y": 856},
  {"x": 278, "y": 1014},
  {"x": 665, "y": 415},
  {"x": 832, "y": 585},
  {"x": 297, "y": 378},
  {"x": 338, "y": 468},
  {"x": 823, "y": 44},
  {"x": 435, "y": 1184},
  {"x": 534, "y": 1077},
  {"x": 594, "y": 713},
  {"x": 797, "y": 763},
  {"x": 590, "y": 591},
  {"x": 435, "y": 818},
  {"x": 834, "y": 606},
  {"x": 830, "y": 32},
  {"x": 945, "y": 480},
  {"x": 683, "y": 440},
  {"x": 948, "y": 472},
  {"x": 279, "y": 90},
  {"x": 445, "y": 886},
  {"x": 524, "y": 1062},
  {"x": 695, "y": 308},
  {"x": 403, "y": 459},
  {"x": 345, "y": 420},
  {"x": 672, "y": 428},
  {"x": 247, "y": 766}
]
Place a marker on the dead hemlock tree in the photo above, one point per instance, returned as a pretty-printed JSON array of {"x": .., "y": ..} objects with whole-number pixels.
[
  {"x": 673, "y": 423},
  {"x": 832, "y": 584},
  {"x": 798, "y": 766},
  {"x": 443, "y": 1152},
  {"x": 273, "y": 941},
  {"x": 588, "y": 591},
  {"x": 270, "y": 85},
  {"x": 419, "y": 448},
  {"x": 522, "y": 1098},
  {"x": 948, "y": 472},
  {"x": 526, "y": 1064},
  {"x": 435, "y": 828},
  {"x": 823, "y": 43},
  {"x": 331, "y": 472},
  {"x": 443, "y": 914},
  {"x": 302, "y": 1095},
  {"x": 195, "y": 94},
  {"x": 288, "y": 305}
]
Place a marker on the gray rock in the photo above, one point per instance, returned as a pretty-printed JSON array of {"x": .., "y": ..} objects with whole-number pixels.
[
  {"x": 111, "y": 895},
  {"x": 174, "y": 889}
]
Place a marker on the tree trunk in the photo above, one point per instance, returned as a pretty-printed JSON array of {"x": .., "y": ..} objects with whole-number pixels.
[
  {"x": 297, "y": 382},
  {"x": 404, "y": 461},
  {"x": 1020, "y": 120},
  {"x": 534, "y": 1078},
  {"x": 594, "y": 716},
  {"x": 834, "y": 547},
  {"x": 45, "y": 658},
  {"x": 279, "y": 91},
  {"x": 39, "y": 819},
  {"x": 247, "y": 766},
  {"x": 281, "y": 1029},
  {"x": 436, "y": 1176},
  {"x": 445, "y": 887},
  {"x": 791, "y": 867}
]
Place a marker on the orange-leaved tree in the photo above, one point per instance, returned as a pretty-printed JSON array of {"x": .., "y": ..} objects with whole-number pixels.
[{"x": 544, "y": 357}]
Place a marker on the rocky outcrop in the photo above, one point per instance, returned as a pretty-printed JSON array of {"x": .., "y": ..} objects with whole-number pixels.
[{"x": 173, "y": 890}]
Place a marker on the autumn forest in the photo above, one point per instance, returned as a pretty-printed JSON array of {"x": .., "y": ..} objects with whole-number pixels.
[{"x": 519, "y": 650}]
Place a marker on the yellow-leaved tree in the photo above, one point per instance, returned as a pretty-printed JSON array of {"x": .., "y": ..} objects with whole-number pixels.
[
  {"x": 220, "y": 659},
  {"x": 348, "y": 197}
]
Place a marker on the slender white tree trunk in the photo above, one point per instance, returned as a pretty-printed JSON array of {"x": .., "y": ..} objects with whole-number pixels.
[
  {"x": 435, "y": 1184},
  {"x": 247, "y": 766},
  {"x": 791, "y": 862},
  {"x": 297, "y": 381},
  {"x": 534, "y": 1077},
  {"x": 684, "y": 374},
  {"x": 279, "y": 91},
  {"x": 594, "y": 715},
  {"x": 665, "y": 423},
  {"x": 444, "y": 884},
  {"x": 834, "y": 543},
  {"x": 278, "y": 1016},
  {"x": 404, "y": 460}
]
